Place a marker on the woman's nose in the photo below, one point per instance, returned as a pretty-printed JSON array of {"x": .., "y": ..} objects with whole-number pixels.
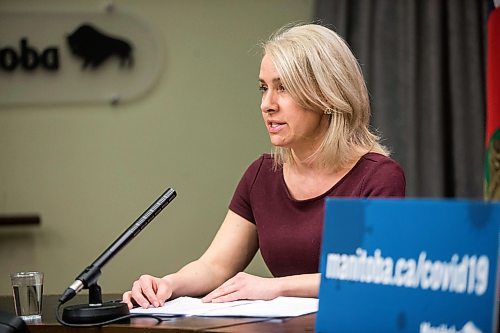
[{"x": 268, "y": 103}]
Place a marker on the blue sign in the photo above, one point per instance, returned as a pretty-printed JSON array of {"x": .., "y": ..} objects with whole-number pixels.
[{"x": 409, "y": 265}]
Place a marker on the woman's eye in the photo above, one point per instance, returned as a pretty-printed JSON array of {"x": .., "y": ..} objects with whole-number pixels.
[
  {"x": 262, "y": 89},
  {"x": 281, "y": 88}
]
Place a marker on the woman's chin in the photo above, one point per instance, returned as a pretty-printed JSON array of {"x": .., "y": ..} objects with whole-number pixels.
[
  {"x": 279, "y": 145},
  {"x": 277, "y": 141}
]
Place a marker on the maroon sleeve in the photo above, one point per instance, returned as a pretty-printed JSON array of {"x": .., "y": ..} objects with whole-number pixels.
[
  {"x": 386, "y": 180},
  {"x": 240, "y": 203}
]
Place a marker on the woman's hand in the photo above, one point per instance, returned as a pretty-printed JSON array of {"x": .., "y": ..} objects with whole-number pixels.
[
  {"x": 148, "y": 290},
  {"x": 245, "y": 286}
]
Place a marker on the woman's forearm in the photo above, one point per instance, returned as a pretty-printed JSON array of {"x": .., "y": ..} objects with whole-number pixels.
[
  {"x": 195, "y": 279},
  {"x": 304, "y": 285}
]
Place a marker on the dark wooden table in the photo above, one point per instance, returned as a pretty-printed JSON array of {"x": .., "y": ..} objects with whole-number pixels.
[{"x": 181, "y": 324}]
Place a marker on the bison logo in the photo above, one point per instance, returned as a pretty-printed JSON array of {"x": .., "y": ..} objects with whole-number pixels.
[{"x": 95, "y": 47}]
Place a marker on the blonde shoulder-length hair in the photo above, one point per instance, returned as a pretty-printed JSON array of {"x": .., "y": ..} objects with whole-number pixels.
[{"x": 321, "y": 74}]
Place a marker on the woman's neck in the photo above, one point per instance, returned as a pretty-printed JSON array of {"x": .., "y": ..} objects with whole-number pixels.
[
  {"x": 307, "y": 179},
  {"x": 305, "y": 163}
]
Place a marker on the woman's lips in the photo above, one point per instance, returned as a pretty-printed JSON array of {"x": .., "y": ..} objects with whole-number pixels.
[{"x": 275, "y": 127}]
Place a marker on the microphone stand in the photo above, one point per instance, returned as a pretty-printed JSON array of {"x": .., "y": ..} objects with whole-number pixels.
[{"x": 96, "y": 311}]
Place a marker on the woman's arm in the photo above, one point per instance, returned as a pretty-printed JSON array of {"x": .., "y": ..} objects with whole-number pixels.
[
  {"x": 232, "y": 249},
  {"x": 246, "y": 286}
]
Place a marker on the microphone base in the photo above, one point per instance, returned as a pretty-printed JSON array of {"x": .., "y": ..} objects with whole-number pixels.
[{"x": 94, "y": 314}]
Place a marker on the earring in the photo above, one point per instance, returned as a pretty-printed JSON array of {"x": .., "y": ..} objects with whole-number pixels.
[{"x": 329, "y": 111}]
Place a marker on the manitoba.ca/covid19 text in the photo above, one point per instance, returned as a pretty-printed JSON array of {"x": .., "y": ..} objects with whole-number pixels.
[{"x": 468, "y": 274}]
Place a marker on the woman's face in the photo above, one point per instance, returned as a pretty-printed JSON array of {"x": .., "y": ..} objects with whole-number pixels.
[{"x": 288, "y": 124}]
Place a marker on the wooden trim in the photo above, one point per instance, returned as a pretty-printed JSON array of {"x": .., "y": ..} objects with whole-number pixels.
[{"x": 19, "y": 220}]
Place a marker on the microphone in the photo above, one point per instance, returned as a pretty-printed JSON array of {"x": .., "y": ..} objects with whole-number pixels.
[{"x": 88, "y": 278}]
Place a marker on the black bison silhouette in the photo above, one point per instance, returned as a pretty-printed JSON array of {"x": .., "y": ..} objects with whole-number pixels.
[{"x": 95, "y": 47}]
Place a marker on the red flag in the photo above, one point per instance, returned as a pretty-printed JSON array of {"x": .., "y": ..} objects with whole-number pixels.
[{"x": 492, "y": 161}]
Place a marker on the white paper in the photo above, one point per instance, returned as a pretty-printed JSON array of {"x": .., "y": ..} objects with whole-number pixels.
[{"x": 276, "y": 308}]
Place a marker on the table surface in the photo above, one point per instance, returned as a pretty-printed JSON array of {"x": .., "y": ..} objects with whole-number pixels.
[{"x": 181, "y": 324}]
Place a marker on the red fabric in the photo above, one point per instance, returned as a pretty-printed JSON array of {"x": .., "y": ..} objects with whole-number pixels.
[
  {"x": 290, "y": 230},
  {"x": 493, "y": 75}
]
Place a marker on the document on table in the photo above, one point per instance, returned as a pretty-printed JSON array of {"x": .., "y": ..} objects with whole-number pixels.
[{"x": 276, "y": 308}]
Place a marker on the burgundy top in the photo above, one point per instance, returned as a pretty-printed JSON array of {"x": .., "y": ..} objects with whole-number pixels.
[{"x": 290, "y": 230}]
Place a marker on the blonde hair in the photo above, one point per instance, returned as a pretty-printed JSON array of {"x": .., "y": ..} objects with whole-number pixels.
[{"x": 322, "y": 75}]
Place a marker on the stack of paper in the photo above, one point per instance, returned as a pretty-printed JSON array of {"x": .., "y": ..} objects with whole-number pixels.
[{"x": 276, "y": 308}]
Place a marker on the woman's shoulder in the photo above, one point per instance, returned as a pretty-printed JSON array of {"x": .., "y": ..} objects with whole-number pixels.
[
  {"x": 376, "y": 157},
  {"x": 373, "y": 160},
  {"x": 375, "y": 167},
  {"x": 265, "y": 159},
  {"x": 264, "y": 163},
  {"x": 380, "y": 175},
  {"x": 261, "y": 170}
]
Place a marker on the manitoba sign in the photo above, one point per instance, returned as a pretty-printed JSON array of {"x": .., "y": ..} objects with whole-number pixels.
[{"x": 109, "y": 56}]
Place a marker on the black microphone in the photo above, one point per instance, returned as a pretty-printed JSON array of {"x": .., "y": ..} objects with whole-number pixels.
[{"x": 88, "y": 278}]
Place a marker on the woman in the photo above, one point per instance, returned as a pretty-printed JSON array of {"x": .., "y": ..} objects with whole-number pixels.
[{"x": 316, "y": 109}]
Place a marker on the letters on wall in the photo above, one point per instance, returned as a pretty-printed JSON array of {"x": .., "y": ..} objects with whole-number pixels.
[{"x": 108, "y": 56}]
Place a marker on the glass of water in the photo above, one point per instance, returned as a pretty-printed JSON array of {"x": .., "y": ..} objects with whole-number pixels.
[{"x": 27, "y": 289}]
